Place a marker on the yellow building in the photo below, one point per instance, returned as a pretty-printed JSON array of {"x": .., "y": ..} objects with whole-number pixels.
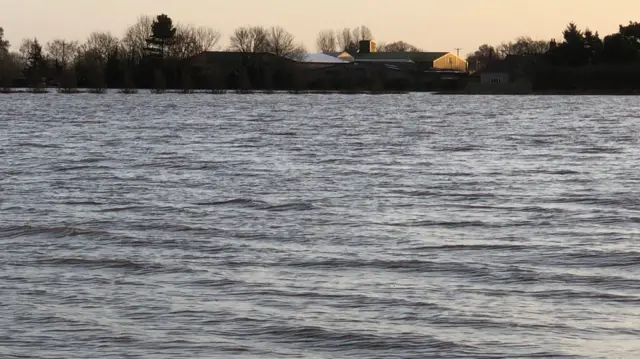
[{"x": 425, "y": 60}]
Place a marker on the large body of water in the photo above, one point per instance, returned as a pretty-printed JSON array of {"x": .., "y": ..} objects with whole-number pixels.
[{"x": 319, "y": 226}]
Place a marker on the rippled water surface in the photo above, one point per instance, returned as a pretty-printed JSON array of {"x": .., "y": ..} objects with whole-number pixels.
[{"x": 319, "y": 226}]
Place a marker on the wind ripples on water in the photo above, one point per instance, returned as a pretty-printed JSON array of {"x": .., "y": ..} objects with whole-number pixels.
[{"x": 319, "y": 226}]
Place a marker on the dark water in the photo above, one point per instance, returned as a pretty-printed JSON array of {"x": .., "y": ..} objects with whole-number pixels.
[{"x": 284, "y": 226}]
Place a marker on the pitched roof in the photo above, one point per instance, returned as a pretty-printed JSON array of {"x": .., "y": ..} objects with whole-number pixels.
[
  {"x": 401, "y": 56},
  {"x": 322, "y": 58}
]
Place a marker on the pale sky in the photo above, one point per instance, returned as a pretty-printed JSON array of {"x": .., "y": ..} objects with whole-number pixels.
[{"x": 433, "y": 25}]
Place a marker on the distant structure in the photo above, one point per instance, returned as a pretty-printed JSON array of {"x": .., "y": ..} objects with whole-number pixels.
[
  {"x": 323, "y": 58},
  {"x": 434, "y": 61},
  {"x": 367, "y": 47}
]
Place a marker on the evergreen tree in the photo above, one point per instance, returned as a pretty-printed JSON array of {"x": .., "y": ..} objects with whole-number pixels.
[
  {"x": 594, "y": 46},
  {"x": 36, "y": 65},
  {"x": 632, "y": 33},
  {"x": 162, "y": 35}
]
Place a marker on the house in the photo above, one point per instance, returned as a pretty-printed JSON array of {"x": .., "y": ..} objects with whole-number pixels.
[
  {"x": 496, "y": 73},
  {"x": 511, "y": 75},
  {"x": 438, "y": 61},
  {"x": 508, "y": 70}
]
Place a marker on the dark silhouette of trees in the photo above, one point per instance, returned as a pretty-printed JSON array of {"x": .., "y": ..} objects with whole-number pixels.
[
  {"x": 327, "y": 41},
  {"x": 90, "y": 67},
  {"x": 128, "y": 86},
  {"x": 619, "y": 49},
  {"x": 242, "y": 82},
  {"x": 62, "y": 52},
  {"x": 585, "y": 62},
  {"x": 155, "y": 53},
  {"x": 159, "y": 82},
  {"x": 578, "y": 49},
  {"x": 362, "y": 33},
  {"x": 280, "y": 42},
  {"x": 522, "y": 46},
  {"x": 101, "y": 44},
  {"x": 191, "y": 40},
  {"x": 4, "y": 44},
  {"x": 275, "y": 40},
  {"x": 349, "y": 39},
  {"x": 632, "y": 32},
  {"x": 573, "y": 50},
  {"x": 68, "y": 81},
  {"x": 249, "y": 39},
  {"x": 346, "y": 41},
  {"x": 136, "y": 36},
  {"x": 213, "y": 81},
  {"x": 481, "y": 57},
  {"x": 10, "y": 67},
  {"x": 593, "y": 46},
  {"x": 36, "y": 64},
  {"x": 624, "y": 46},
  {"x": 398, "y": 46},
  {"x": 162, "y": 35}
]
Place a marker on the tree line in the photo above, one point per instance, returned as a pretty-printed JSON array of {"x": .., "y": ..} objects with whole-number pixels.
[
  {"x": 104, "y": 60},
  {"x": 578, "y": 48},
  {"x": 582, "y": 62}
]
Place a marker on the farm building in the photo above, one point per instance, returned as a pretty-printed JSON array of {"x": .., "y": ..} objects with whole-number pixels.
[{"x": 424, "y": 60}]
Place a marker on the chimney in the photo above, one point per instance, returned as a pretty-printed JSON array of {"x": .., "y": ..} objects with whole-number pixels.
[{"x": 367, "y": 46}]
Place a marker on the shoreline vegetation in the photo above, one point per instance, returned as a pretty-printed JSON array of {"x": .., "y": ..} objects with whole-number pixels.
[
  {"x": 57, "y": 90},
  {"x": 54, "y": 90},
  {"x": 546, "y": 93},
  {"x": 157, "y": 56}
]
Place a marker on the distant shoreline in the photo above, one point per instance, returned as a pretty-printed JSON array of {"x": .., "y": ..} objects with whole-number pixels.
[
  {"x": 54, "y": 90},
  {"x": 547, "y": 93}
]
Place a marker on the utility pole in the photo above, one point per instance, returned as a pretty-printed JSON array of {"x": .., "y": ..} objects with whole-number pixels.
[{"x": 458, "y": 51}]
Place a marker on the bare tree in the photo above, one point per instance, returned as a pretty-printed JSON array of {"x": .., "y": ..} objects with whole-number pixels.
[
  {"x": 279, "y": 40},
  {"x": 190, "y": 40},
  {"x": 282, "y": 43},
  {"x": 327, "y": 41},
  {"x": 398, "y": 46},
  {"x": 249, "y": 39},
  {"x": 184, "y": 43},
  {"x": 362, "y": 33},
  {"x": 25, "y": 47},
  {"x": 207, "y": 38},
  {"x": 346, "y": 41},
  {"x": 62, "y": 52},
  {"x": 297, "y": 53},
  {"x": 136, "y": 36},
  {"x": 523, "y": 45},
  {"x": 102, "y": 44}
]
